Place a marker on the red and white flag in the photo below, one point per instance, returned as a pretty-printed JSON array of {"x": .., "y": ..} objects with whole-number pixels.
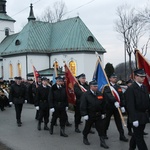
[
  {"x": 35, "y": 73},
  {"x": 143, "y": 63}
]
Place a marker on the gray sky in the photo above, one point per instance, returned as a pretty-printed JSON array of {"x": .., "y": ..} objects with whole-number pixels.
[{"x": 98, "y": 15}]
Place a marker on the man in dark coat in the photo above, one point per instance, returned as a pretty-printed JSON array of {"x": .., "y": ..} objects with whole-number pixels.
[
  {"x": 113, "y": 104},
  {"x": 18, "y": 96},
  {"x": 78, "y": 92},
  {"x": 93, "y": 111},
  {"x": 58, "y": 104},
  {"x": 138, "y": 104},
  {"x": 42, "y": 104}
]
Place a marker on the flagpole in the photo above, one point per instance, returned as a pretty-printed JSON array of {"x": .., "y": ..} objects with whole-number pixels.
[{"x": 99, "y": 59}]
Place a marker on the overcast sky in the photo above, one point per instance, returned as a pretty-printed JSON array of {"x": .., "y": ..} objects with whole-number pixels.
[{"x": 98, "y": 15}]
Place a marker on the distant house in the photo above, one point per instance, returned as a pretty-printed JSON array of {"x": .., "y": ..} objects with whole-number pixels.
[{"x": 44, "y": 44}]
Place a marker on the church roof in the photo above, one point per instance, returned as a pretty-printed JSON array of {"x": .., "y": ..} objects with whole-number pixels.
[
  {"x": 5, "y": 17},
  {"x": 42, "y": 37}
]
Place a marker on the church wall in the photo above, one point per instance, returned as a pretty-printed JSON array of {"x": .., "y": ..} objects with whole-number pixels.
[
  {"x": 14, "y": 61},
  {"x": 3, "y": 26},
  {"x": 40, "y": 62},
  {"x": 85, "y": 62}
]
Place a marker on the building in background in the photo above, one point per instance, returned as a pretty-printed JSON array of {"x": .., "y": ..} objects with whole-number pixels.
[{"x": 44, "y": 44}]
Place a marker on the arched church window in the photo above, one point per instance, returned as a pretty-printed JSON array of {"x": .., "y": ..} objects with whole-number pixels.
[
  {"x": 72, "y": 66},
  {"x": 19, "y": 69},
  {"x": 56, "y": 65},
  {"x": 90, "y": 39},
  {"x": 7, "y": 32},
  {"x": 10, "y": 71},
  {"x": 17, "y": 42}
]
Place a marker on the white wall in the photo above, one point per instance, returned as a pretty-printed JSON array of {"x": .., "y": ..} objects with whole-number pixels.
[
  {"x": 3, "y": 26},
  {"x": 40, "y": 62},
  {"x": 85, "y": 62}
]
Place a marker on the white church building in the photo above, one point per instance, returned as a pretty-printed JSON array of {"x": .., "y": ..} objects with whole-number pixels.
[{"x": 44, "y": 44}]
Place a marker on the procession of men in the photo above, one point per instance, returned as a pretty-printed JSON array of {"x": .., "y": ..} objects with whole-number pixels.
[{"x": 93, "y": 108}]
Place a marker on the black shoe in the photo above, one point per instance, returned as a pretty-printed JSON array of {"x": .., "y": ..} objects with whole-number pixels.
[
  {"x": 130, "y": 133},
  {"x": 19, "y": 124},
  {"x": 62, "y": 132},
  {"x": 77, "y": 130},
  {"x": 51, "y": 129},
  {"x": 39, "y": 126},
  {"x": 85, "y": 141},
  {"x": 103, "y": 144},
  {"x": 2, "y": 109},
  {"x": 68, "y": 124},
  {"x": 92, "y": 132},
  {"x": 144, "y": 133},
  {"x": 123, "y": 138},
  {"x": 46, "y": 127}
]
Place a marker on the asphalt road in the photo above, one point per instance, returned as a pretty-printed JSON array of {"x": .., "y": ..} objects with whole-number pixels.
[{"x": 28, "y": 137}]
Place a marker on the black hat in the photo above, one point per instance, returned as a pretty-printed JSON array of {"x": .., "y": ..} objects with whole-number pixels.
[
  {"x": 139, "y": 72},
  {"x": 59, "y": 78},
  {"x": 113, "y": 75},
  {"x": 17, "y": 78},
  {"x": 43, "y": 78},
  {"x": 129, "y": 81},
  {"x": 94, "y": 83},
  {"x": 39, "y": 77},
  {"x": 81, "y": 76}
]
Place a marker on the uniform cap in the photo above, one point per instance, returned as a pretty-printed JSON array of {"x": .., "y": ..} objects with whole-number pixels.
[
  {"x": 94, "y": 83},
  {"x": 59, "y": 78},
  {"x": 129, "y": 81},
  {"x": 113, "y": 75},
  {"x": 81, "y": 76},
  {"x": 18, "y": 78},
  {"x": 139, "y": 72},
  {"x": 43, "y": 78}
]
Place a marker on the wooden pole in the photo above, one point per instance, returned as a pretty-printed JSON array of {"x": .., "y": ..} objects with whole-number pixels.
[{"x": 99, "y": 59}]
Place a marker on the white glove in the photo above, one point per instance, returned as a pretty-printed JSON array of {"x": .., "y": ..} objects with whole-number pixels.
[
  {"x": 10, "y": 103},
  {"x": 136, "y": 123},
  {"x": 103, "y": 116},
  {"x": 86, "y": 117},
  {"x": 123, "y": 110},
  {"x": 26, "y": 101},
  {"x": 52, "y": 110},
  {"x": 116, "y": 104},
  {"x": 66, "y": 108},
  {"x": 37, "y": 108}
]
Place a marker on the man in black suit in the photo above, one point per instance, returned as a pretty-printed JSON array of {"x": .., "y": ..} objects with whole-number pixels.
[
  {"x": 113, "y": 103},
  {"x": 138, "y": 105},
  {"x": 18, "y": 96},
  {"x": 58, "y": 104}
]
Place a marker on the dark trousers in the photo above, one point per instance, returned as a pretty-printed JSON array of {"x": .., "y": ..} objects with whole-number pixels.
[
  {"x": 2, "y": 103},
  {"x": 138, "y": 138},
  {"x": 99, "y": 125},
  {"x": 117, "y": 119},
  {"x": 44, "y": 113},
  {"x": 18, "y": 109},
  {"x": 61, "y": 114},
  {"x": 77, "y": 115}
]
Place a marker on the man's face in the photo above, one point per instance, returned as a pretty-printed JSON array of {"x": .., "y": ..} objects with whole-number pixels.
[
  {"x": 82, "y": 79},
  {"x": 18, "y": 81},
  {"x": 44, "y": 82},
  {"x": 58, "y": 82},
  {"x": 113, "y": 79},
  {"x": 139, "y": 79},
  {"x": 94, "y": 88}
]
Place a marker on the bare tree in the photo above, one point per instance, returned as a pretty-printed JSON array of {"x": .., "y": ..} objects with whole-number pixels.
[
  {"x": 131, "y": 28},
  {"x": 54, "y": 15}
]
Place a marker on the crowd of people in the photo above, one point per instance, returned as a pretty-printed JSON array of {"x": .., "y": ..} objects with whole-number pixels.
[{"x": 96, "y": 107}]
